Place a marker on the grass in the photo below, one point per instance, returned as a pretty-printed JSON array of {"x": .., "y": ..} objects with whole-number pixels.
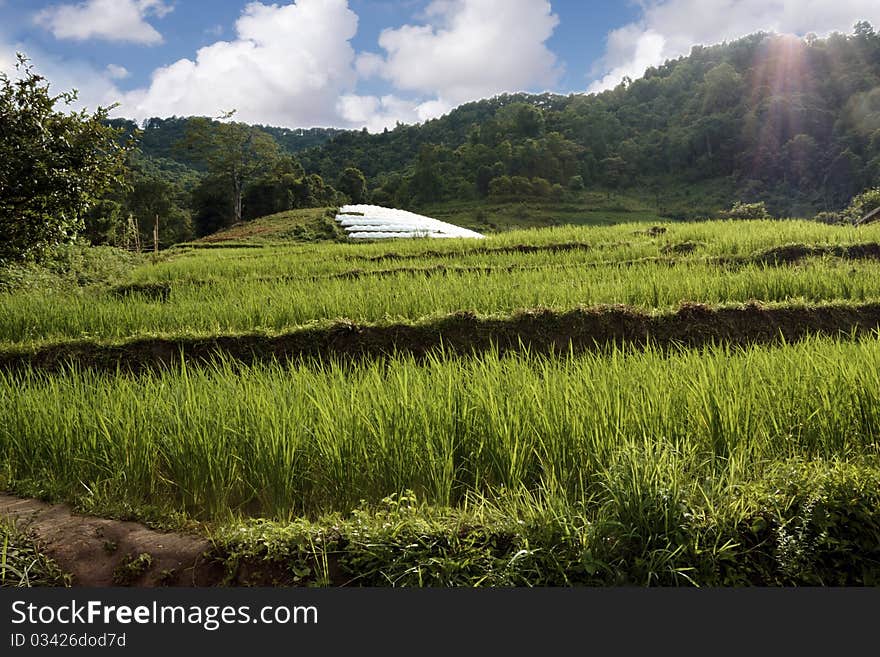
[
  {"x": 231, "y": 306},
  {"x": 306, "y": 225},
  {"x": 281, "y": 442},
  {"x": 23, "y": 563}
]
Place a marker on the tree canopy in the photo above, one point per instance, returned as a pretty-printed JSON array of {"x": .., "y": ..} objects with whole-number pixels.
[{"x": 54, "y": 165}]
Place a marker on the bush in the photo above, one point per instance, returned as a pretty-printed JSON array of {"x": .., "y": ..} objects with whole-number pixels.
[
  {"x": 741, "y": 210},
  {"x": 862, "y": 204},
  {"x": 830, "y": 218}
]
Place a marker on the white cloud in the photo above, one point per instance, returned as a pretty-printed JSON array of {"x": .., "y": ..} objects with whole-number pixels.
[
  {"x": 288, "y": 66},
  {"x": 379, "y": 112},
  {"x": 111, "y": 20},
  {"x": 116, "y": 72},
  {"x": 475, "y": 48},
  {"x": 669, "y": 28},
  {"x": 468, "y": 49}
]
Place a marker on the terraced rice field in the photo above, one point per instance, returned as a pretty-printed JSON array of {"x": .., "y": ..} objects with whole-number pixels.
[{"x": 686, "y": 404}]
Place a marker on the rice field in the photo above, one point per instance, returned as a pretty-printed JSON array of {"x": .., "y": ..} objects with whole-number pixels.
[
  {"x": 661, "y": 444},
  {"x": 276, "y": 290}
]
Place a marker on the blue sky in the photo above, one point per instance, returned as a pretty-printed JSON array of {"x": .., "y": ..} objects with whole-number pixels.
[{"x": 353, "y": 63}]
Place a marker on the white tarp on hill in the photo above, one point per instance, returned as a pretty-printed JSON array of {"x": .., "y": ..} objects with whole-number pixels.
[{"x": 374, "y": 222}]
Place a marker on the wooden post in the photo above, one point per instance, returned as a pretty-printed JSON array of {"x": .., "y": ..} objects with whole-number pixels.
[{"x": 156, "y": 235}]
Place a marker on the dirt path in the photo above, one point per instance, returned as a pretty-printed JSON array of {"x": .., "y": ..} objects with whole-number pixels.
[{"x": 99, "y": 552}]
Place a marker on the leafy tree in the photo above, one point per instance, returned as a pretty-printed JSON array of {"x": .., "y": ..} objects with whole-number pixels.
[
  {"x": 232, "y": 152},
  {"x": 53, "y": 165},
  {"x": 722, "y": 88},
  {"x": 427, "y": 182},
  {"x": 103, "y": 221},
  {"x": 153, "y": 197},
  {"x": 353, "y": 184},
  {"x": 211, "y": 205},
  {"x": 274, "y": 191}
]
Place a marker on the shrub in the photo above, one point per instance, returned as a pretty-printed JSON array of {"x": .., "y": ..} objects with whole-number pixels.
[
  {"x": 862, "y": 204},
  {"x": 741, "y": 210},
  {"x": 830, "y": 218}
]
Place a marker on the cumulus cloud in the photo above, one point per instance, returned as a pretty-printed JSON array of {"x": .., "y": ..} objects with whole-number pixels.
[
  {"x": 466, "y": 50},
  {"x": 472, "y": 49},
  {"x": 288, "y": 65},
  {"x": 110, "y": 20},
  {"x": 292, "y": 63},
  {"x": 668, "y": 28}
]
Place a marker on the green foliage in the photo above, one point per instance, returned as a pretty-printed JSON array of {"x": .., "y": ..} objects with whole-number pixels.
[
  {"x": 233, "y": 153},
  {"x": 103, "y": 222},
  {"x": 23, "y": 563},
  {"x": 862, "y": 205},
  {"x": 353, "y": 184},
  {"x": 53, "y": 166},
  {"x": 131, "y": 569},
  {"x": 742, "y": 210},
  {"x": 830, "y": 218}
]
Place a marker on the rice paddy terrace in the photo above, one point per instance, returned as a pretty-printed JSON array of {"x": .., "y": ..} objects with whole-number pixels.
[{"x": 692, "y": 404}]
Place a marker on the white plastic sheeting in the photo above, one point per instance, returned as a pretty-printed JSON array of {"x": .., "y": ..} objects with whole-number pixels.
[{"x": 375, "y": 222}]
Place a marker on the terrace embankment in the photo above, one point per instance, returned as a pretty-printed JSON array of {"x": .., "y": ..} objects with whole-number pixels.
[
  {"x": 789, "y": 254},
  {"x": 562, "y": 247},
  {"x": 675, "y": 254},
  {"x": 464, "y": 333}
]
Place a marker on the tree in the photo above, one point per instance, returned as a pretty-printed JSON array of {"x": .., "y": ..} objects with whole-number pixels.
[
  {"x": 722, "y": 88},
  {"x": 274, "y": 191},
  {"x": 103, "y": 221},
  {"x": 233, "y": 152},
  {"x": 427, "y": 183},
  {"x": 53, "y": 165},
  {"x": 152, "y": 197},
  {"x": 353, "y": 184}
]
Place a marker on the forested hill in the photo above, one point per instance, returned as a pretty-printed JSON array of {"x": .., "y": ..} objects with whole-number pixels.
[
  {"x": 792, "y": 122},
  {"x": 162, "y": 138}
]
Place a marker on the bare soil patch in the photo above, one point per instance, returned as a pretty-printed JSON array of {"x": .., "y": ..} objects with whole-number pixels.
[{"x": 97, "y": 552}]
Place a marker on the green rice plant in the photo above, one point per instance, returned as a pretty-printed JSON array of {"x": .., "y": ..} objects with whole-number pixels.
[
  {"x": 231, "y": 306},
  {"x": 277, "y": 441},
  {"x": 23, "y": 564}
]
